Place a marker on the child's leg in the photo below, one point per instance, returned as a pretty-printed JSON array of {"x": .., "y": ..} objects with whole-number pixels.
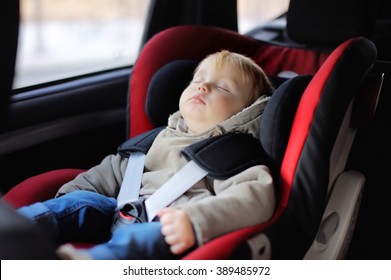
[
  {"x": 140, "y": 241},
  {"x": 77, "y": 216}
]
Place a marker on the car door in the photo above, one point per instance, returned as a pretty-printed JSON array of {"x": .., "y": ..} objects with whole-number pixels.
[{"x": 68, "y": 103}]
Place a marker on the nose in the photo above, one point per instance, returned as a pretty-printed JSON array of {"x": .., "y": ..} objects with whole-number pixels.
[{"x": 203, "y": 87}]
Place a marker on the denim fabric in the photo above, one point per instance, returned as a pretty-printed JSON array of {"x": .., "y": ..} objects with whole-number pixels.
[
  {"x": 141, "y": 241},
  {"x": 78, "y": 216},
  {"x": 87, "y": 217}
]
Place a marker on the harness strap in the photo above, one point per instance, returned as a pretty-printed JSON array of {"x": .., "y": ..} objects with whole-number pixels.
[
  {"x": 218, "y": 157},
  {"x": 178, "y": 184},
  {"x": 131, "y": 184},
  {"x": 135, "y": 149}
]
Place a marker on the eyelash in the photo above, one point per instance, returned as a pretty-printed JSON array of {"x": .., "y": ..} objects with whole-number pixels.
[
  {"x": 218, "y": 87},
  {"x": 221, "y": 88}
]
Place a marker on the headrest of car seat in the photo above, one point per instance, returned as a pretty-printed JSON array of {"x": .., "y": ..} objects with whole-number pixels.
[
  {"x": 194, "y": 42},
  {"x": 167, "y": 85},
  {"x": 329, "y": 23},
  {"x": 278, "y": 117}
]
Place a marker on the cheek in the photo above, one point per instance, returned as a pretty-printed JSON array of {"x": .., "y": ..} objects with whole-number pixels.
[
  {"x": 181, "y": 101},
  {"x": 184, "y": 96},
  {"x": 229, "y": 106}
]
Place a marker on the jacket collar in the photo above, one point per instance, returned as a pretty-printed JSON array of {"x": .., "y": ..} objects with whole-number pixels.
[{"x": 246, "y": 121}]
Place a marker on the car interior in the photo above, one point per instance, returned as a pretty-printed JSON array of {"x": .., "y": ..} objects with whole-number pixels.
[{"x": 323, "y": 128}]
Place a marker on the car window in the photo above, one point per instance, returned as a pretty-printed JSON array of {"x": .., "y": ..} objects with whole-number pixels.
[
  {"x": 63, "y": 38},
  {"x": 253, "y": 13}
]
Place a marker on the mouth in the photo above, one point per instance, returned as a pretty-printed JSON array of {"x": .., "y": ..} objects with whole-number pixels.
[{"x": 197, "y": 98}]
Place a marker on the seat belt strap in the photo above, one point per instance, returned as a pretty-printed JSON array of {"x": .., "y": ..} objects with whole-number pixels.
[
  {"x": 207, "y": 157},
  {"x": 177, "y": 185},
  {"x": 130, "y": 188},
  {"x": 135, "y": 149}
]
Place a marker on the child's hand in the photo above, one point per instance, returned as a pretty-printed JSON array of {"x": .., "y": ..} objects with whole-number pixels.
[{"x": 177, "y": 229}]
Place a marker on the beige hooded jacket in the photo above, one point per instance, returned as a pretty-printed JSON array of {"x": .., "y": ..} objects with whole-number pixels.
[{"x": 216, "y": 206}]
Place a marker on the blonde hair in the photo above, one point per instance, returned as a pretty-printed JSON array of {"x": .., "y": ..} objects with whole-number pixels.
[{"x": 251, "y": 72}]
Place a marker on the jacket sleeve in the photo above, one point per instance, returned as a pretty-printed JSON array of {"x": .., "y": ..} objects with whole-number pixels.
[
  {"x": 104, "y": 178},
  {"x": 245, "y": 199}
]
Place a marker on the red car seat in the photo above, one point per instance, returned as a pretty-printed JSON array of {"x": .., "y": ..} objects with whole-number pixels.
[
  {"x": 303, "y": 189},
  {"x": 173, "y": 45},
  {"x": 311, "y": 168}
]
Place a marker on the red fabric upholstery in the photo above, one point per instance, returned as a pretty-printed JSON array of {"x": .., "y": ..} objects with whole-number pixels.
[
  {"x": 224, "y": 246},
  {"x": 195, "y": 43},
  {"x": 39, "y": 187},
  {"x": 303, "y": 119}
]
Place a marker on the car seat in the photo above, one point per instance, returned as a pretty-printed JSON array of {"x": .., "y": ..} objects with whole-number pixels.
[
  {"x": 186, "y": 44},
  {"x": 311, "y": 169},
  {"x": 303, "y": 173}
]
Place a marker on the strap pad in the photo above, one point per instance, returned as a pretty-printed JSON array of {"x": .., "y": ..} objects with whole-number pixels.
[
  {"x": 222, "y": 156},
  {"x": 227, "y": 155},
  {"x": 140, "y": 143}
]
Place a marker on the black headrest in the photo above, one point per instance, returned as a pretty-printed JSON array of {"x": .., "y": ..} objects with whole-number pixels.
[
  {"x": 329, "y": 23},
  {"x": 278, "y": 117},
  {"x": 165, "y": 89}
]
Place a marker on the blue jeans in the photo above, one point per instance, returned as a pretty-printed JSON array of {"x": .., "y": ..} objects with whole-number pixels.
[{"x": 86, "y": 216}]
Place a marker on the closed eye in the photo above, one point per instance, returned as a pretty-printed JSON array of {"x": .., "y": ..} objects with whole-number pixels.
[{"x": 222, "y": 88}]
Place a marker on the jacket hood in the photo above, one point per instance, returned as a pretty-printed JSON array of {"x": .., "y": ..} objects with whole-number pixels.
[{"x": 246, "y": 121}]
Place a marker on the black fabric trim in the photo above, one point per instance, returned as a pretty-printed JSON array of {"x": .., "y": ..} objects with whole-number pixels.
[
  {"x": 227, "y": 155},
  {"x": 277, "y": 119},
  {"x": 165, "y": 89},
  {"x": 222, "y": 156},
  {"x": 139, "y": 143}
]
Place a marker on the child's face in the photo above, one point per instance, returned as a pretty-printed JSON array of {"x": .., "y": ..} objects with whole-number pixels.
[{"x": 213, "y": 95}]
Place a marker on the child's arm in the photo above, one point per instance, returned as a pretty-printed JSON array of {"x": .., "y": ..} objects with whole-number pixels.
[
  {"x": 177, "y": 229},
  {"x": 103, "y": 178},
  {"x": 243, "y": 200}
]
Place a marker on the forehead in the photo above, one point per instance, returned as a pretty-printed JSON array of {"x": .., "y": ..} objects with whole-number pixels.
[{"x": 216, "y": 64}]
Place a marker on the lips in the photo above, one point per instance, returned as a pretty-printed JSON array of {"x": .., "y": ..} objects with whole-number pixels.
[{"x": 197, "y": 98}]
